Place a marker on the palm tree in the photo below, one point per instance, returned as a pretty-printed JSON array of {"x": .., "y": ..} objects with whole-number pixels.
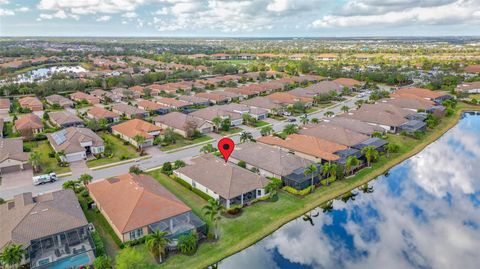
[
  {"x": 139, "y": 139},
  {"x": 359, "y": 103},
  {"x": 267, "y": 130},
  {"x": 326, "y": 171},
  {"x": 333, "y": 171},
  {"x": 311, "y": 170},
  {"x": 351, "y": 162},
  {"x": 217, "y": 121},
  {"x": 85, "y": 179},
  {"x": 329, "y": 114},
  {"x": 12, "y": 255},
  {"x": 371, "y": 154},
  {"x": 246, "y": 136},
  {"x": 304, "y": 119},
  {"x": 34, "y": 160},
  {"x": 70, "y": 184},
  {"x": 290, "y": 129},
  {"x": 345, "y": 109},
  {"x": 207, "y": 148},
  {"x": 156, "y": 243},
  {"x": 273, "y": 186},
  {"x": 391, "y": 148},
  {"x": 315, "y": 120},
  {"x": 213, "y": 211}
]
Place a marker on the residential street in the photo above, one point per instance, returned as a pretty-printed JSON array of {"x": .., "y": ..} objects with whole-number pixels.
[{"x": 159, "y": 159}]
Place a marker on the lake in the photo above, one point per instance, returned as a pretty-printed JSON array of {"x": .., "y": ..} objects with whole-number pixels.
[
  {"x": 42, "y": 74},
  {"x": 425, "y": 213}
]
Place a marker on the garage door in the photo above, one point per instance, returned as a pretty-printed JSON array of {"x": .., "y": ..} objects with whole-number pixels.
[
  {"x": 75, "y": 157},
  {"x": 9, "y": 169}
]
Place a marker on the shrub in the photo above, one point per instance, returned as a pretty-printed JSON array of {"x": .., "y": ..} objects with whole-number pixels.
[
  {"x": 167, "y": 168},
  {"x": 84, "y": 193},
  {"x": 123, "y": 157},
  {"x": 135, "y": 169},
  {"x": 97, "y": 241},
  {"x": 235, "y": 210},
  {"x": 26, "y": 148},
  {"x": 297, "y": 192},
  {"x": 51, "y": 154},
  {"x": 242, "y": 164},
  {"x": 188, "y": 243}
]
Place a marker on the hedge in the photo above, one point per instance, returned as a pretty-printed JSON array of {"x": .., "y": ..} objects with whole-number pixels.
[
  {"x": 198, "y": 192},
  {"x": 297, "y": 192}
]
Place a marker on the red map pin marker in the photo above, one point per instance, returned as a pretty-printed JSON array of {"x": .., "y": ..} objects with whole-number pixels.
[{"x": 226, "y": 146}]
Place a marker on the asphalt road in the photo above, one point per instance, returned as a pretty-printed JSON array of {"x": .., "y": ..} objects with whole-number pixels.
[{"x": 158, "y": 159}]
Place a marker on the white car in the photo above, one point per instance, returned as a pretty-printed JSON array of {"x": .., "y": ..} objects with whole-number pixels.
[{"x": 42, "y": 179}]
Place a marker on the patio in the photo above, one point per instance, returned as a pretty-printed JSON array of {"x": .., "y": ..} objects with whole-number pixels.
[{"x": 45, "y": 251}]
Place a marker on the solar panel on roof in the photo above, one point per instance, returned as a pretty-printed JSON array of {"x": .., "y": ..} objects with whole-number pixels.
[{"x": 60, "y": 137}]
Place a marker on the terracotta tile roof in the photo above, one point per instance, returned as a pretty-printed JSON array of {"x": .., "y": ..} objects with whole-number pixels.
[
  {"x": 347, "y": 82},
  {"x": 305, "y": 144},
  {"x": 143, "y": 201},
  {"x": 420, "y": 92},
  {"x": 101, "y": 113},
  {"x": 334, "y": 133},
  {"x": 150, "y": 105},
  {"x": 410, "y": 102},
  {"x": 288, "y": 98},
  {"x": 25, "y": 219},
  {"x": 134, "y": 127},
  {"x": 468, "y": 86},
  {"x": 28, "y": 122},
  {"x": 261, "y": 102},
  {"x": 137, "y": 88},
  {"x": 4, "y": 103},
  {"x": 31, "y": 102},
  {"x": 226, "y": 179},
  {"x": 78, "y": 96},
  {"x": 127, "y": 109},
  {"x": 473, "y": 68},
  {"x": 354, "y": 125}
]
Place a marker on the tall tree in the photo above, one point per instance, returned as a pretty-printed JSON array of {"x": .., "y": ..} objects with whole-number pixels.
[
  {"x": 345, "y": 109},
  {"x": 350, "y": 163},
  {"x": 140, "y": 140},
  {"x": 290, "y": 129},
  {"x": 217, "y": 121},
  {"x": 267, "y": 130},
  {"x": 304, "y": 119},
  {"x": 85, "y": 179},
  {"x": 156, "y": 243},
  {"x": 311, "y": 170},
  {"x": 371, "y": 154},
  {"x": 213, "y": 210},
  {"x": 12, "y": 255},
  {"x": 34, "y": 160}
]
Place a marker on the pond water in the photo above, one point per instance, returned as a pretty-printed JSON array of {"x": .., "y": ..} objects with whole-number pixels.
[
  {"x": 42, "y": 74},
  {"x": 424, "y": 214}
]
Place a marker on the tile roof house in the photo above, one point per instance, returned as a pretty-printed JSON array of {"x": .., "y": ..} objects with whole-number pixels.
[
  {"x": 471, "y": 87},
  {"x": 474, "y": 68},
  {"x": 348, "y": 82},
  {"x": 145, "y": 207},
  {"x": 286, "y": 98},
  {"x": 65, "y": 119},
  {"x": 325, "y": 87},
  {"x": 355, "y": 125},
  {"x": 31, "y": 103},
  {"x": 334, "y": 133},
  {"x": 195, "y": 100},
  {"x": 308, "y": 147},
  {"x": 51, "y": 227},
  {"x": 130, "y": 112},
  {"x": 81, "y": 96},
  {"x": 262, "y": 102},
  {"x": 125, "y": 94},
  {"x": 414, "y": 104},
  {"x": 128, "y": 130},
  {"x": 214, "y": 98},
  {"x": 4, "y": 105},
  {"x": 172, "y": 102},
  {"x": 99, "y": 113},
  {"x": 59, "y": 100},
  {"x": 387, "y": 116},
  {"x": 106, "y": 96},
  {"x": 153, "y": 107},
  {"x": 226, "y": 182},
  {"x": 75, "y": 143},
  {"x": 257, "y": 113},
  {"x": 209, "y": 113},
  {"x": 12, "y": 157},
  {"x": 29, "y": 125},
  {"x": 138, "y": 89},
  {"x": 272, "y": 162},
  {"x": 183, "y": 123},
  {"x": 427, "y": 94}
]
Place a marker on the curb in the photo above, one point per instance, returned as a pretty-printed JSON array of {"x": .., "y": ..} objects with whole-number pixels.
[
  {"x": 119, "y": 163},
  {"x": 189, "y": 146}
]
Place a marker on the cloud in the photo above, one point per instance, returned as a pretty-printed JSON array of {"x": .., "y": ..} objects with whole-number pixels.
[
  {"x": 57, "y": 15},
  {"x": 4, "y": 2},
  {"x": 130, "y": 15},
  {"x": 399, "y": 13},
  {"x": 162, "y": 11},
  {"x": 6, "y": 12},
  {"x": 22, "y": 9},
  {"x": 104, "y": 18}
]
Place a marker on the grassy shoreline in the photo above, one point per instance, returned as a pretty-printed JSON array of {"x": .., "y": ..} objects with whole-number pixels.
[{"x": 289, "y": 208}]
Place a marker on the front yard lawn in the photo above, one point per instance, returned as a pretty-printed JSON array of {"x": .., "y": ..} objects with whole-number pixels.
[
  {"x": 182, "y": 142},
  {"x": 261, "y": 123},
  {"x": 120, "y": 151},
  {"x": 48, "y": 164},
  {"x": 234, "y": 130}
]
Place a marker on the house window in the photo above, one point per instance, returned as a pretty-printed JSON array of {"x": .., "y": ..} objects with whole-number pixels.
[
  {"x": 136, "y": 234},
  {"x": 259, "y": 193}
]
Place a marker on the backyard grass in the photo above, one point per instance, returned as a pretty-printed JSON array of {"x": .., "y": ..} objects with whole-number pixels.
[
  {"x": 183, "y": 142},
  {"x": 261, "y": 219},
  {"x": 121, "y": 152},
  {"x": 47, "y": 163}
]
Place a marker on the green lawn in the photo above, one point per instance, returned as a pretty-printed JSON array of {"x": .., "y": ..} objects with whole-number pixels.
[
  {"x": 182, "y": 142},
  {"x": 234, "y": 130},
  {"x": 47, "y": 164},
  {"x": 121, "y": 152},
  {"x": 8, "y": 130},
  {"x": 261, "y": 123}
]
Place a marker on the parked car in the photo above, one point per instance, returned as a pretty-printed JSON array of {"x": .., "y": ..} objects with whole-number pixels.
[
  {"x": 42, "y": 179},
  {"x": 291, "y": 119},
  {"x": 286, "y": 113}
]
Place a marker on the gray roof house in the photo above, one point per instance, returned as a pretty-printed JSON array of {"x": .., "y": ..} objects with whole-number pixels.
[
  {"x": 65, "y": 119},
  {"x": 211, "y": 112},
  {"x": 333, "y": 133},
  {"x": 76, "y": 143},
  {"x": 130, "y": 112},
  {"x": 180, "y": 122},
  {"x": 51, "y": 227},
  {"x": 12, "y": 157},
  {"x": 226, "y": 182},
  {"x": 273, "y": 162},
  {"x": 60, "y": 100},
  {"x": 355, "y": 125}
]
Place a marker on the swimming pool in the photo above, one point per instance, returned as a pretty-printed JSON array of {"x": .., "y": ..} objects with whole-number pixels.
[{"x": 72, "y": 262}]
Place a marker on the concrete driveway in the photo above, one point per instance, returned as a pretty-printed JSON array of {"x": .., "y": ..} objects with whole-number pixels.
[
  {"x": 79, "y": 167},
  {"x": 17, "y": 179}
]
